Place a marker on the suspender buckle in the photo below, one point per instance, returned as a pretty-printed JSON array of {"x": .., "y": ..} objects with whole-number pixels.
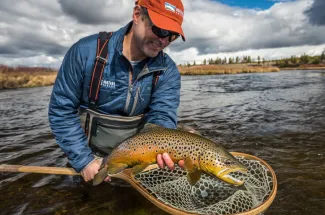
[
  {"x": 101, "y": 60},
  {"x": 92, "y": 105}
]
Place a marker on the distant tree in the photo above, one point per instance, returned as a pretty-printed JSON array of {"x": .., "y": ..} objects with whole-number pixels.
[
  {"x": 316, "y": 60},
  {"x": 322, "y": 56},
  {"x": 294, "y": 59},
  {"x": 204, "y": 62},
  {"x": 249, "y": 59},
  {"x": 258, "y": 59},
  {"x": 263, "y": 60},
  {"x": 188, "y": 64},
  {"x": 237, "y": 59},
  {"x": 224, "y": 61},
  {"x": 304, "y": 59},
  {"x": 230, "y": 60},
  {"x": 244, "y": 59},
  {"x": 194, "y": 64}
]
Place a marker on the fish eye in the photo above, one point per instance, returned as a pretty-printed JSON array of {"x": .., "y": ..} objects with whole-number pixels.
[{"x": 228, "y": 162}]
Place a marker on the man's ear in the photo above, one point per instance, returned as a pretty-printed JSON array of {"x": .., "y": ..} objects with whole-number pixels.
[{"x": 136, "y": 14}]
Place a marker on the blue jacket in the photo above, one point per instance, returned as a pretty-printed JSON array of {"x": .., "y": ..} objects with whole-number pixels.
[{"x": 117, "y": 96}]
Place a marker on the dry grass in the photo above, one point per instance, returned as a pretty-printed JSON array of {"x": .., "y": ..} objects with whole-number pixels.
[
  {"x": 225, "y": 69},
  {"x": 17, "y": 77}
]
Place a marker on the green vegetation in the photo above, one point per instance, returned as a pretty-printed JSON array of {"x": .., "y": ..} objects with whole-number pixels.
[{"x": 302, "y": 61}]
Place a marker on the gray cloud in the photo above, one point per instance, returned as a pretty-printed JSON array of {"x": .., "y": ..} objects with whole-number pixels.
[
  {"x": 98, "y": 11},
  {"x": 316, "y": 13},
  {"x": 233, "y": 29},
  {"x": 42, "y": 31}
]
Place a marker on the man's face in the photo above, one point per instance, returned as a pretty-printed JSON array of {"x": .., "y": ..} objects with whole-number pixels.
[{"x": 149, "y": 43}]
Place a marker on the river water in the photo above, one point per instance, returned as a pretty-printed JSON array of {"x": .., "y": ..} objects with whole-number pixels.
[{"x": 279, "y": 117}]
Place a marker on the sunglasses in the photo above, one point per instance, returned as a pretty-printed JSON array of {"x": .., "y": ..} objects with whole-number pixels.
[{"x": 162, "y": 33}]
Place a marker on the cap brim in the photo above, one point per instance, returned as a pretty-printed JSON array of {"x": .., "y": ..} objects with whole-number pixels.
[{"x": 166, "y": 23}]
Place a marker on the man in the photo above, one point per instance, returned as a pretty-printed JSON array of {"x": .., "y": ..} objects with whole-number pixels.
[{"x": 135, "y": 54}]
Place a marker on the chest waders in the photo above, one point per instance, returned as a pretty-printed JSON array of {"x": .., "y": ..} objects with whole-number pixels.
[{"x": 105, "y": 132}]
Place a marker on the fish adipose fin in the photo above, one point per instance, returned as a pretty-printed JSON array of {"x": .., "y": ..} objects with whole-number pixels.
[
  {"x": 139, "y": 168},
  {"x": 193, "y": 173}
]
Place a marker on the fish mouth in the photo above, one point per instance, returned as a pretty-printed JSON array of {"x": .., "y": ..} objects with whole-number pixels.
[{"x": 228, "y": 178}]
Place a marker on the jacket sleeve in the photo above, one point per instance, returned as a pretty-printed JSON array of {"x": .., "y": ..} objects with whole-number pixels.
[
  {"x": 63, "y": 110},
  {"x": 165, "y": 99}
]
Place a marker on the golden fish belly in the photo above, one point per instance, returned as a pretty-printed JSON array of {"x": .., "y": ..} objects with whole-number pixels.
[{"x": 147, "y": 153}]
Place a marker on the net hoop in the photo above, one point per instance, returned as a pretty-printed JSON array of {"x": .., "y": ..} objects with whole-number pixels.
[{"x": 128, "y": 177}]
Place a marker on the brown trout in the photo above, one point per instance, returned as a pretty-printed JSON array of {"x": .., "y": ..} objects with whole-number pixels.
[{"x": 200, "y": 155}]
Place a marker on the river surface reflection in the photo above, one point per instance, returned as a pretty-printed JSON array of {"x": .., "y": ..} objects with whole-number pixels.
[{"x": 279, "y": 117}]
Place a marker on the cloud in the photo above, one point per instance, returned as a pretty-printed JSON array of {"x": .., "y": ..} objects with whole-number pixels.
[
  {"x": 45, "y": 30},
  {"x": 98, "y": 11},
  {"x": 316, "y": 13},
  {"x": 212, "y": 27}
]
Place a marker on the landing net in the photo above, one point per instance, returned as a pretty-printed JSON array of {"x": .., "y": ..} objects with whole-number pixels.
[{"x": 210, "y": 195}]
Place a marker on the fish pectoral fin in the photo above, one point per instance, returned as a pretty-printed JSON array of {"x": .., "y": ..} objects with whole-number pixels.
[
  {"x": 193, "y": 173},
  {"x": 193, "y": 177},
  {"x": 114, "y": 168},
  {"x": 189, "y": 165},
  {"x": 139, "y": 168}
]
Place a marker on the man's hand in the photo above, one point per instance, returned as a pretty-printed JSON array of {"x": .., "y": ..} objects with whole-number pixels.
[
  {"x": 91, "y": 170},
  {"x": 164, "y": 160}
]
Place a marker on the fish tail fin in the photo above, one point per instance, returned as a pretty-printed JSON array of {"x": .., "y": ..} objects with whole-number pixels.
[{"x": 100, "y": 176}]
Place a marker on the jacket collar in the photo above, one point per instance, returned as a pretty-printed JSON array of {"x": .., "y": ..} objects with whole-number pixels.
[{"x": 155, "y": 63}]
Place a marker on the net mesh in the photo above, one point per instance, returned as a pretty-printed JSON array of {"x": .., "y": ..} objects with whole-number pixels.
[{"x": 209, "y": 195}]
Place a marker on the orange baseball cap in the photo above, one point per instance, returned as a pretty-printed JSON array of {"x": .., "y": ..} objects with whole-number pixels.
[{"x": 165, "y": 14}]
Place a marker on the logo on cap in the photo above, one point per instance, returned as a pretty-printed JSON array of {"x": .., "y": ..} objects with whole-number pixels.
[{"x": 170, "y": 7}]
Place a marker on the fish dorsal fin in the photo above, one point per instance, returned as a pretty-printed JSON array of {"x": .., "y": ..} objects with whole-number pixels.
[{"x": 149, "y": 127}]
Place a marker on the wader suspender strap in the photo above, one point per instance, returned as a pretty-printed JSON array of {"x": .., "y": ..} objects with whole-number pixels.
[{"x": 101, "y": 60}]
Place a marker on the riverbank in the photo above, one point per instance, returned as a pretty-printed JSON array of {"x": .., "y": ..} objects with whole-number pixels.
[
  {"x": 19, "y": 77},
  {"x": 225, "y": 69},
  {"x": 306, "y": 67}
]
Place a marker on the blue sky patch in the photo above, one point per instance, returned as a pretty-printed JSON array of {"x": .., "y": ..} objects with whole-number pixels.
[{"x": 252, "y": 4}]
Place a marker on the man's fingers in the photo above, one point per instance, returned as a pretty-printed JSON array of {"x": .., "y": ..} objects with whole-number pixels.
[
  {"x": 168, "y": 161},
  {"x": 107, "y": 179},
  {"x": 160, "y": 161},
  {"x": 181, "y": 164}
]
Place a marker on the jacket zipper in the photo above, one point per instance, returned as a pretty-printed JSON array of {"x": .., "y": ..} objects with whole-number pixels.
[
  {"x": 130, "y": 88},
  {"x": 135, "y": 101},
  {"x": 144, "y": 72}
]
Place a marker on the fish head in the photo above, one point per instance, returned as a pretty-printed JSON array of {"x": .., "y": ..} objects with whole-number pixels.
[{"x": 218, "y": 162}]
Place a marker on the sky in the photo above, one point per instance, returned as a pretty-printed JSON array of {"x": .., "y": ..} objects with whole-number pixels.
[{"x": 39, "y": 33}]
